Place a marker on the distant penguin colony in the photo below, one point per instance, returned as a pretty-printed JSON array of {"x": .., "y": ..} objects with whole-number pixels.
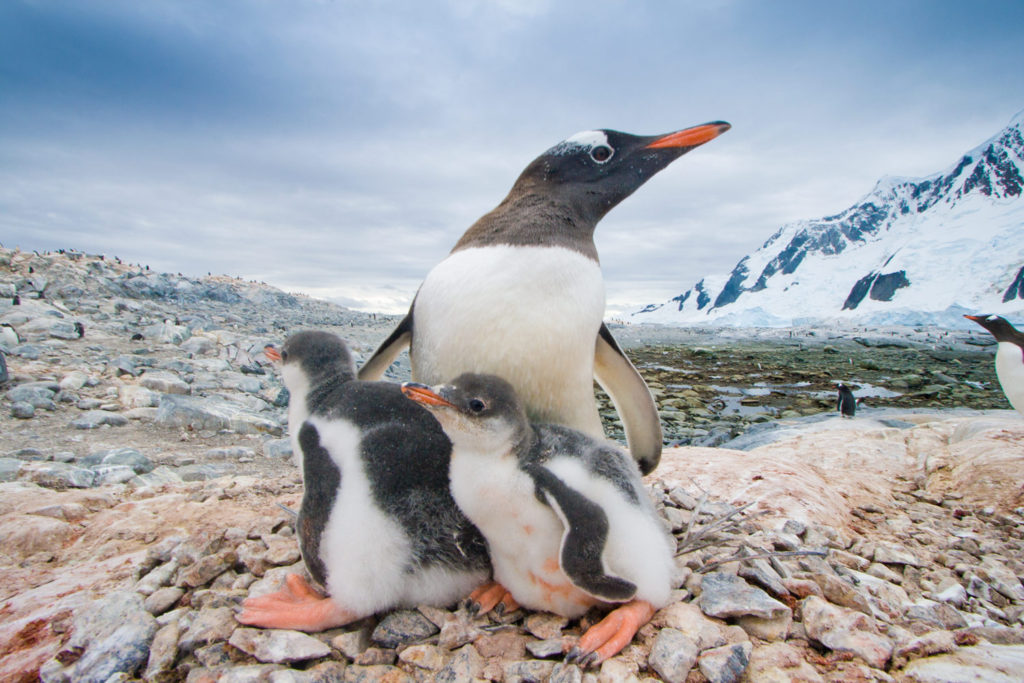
[
  {"x": 1009, "y": 357},
  {"x": 847, "y": 403},
  {"x": 377, "y": 528},
  {"x": 567, "y": 520},
  {"x": 521, "y": 294}
]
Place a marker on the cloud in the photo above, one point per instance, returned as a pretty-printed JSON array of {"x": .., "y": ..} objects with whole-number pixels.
[{"x": 342, "y": 147}]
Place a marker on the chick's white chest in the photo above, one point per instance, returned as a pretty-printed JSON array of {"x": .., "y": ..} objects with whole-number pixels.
[{"x": 523, "y": 535}]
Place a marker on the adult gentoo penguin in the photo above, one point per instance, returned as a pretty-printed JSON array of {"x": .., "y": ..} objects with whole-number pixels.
[
  {"x": 846, "y": 404},
  {"x": 377, "y": 526},
  {"x": 1009, "y": 356},
  {"x": 521, "y": 293},
  {"x": 567, "y": 520}
]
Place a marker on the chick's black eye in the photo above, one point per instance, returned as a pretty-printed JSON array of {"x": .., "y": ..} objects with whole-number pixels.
[
  {"x": 284, "y": 355},
  {"x": 477, "y": 406},
  {"x": 601, "y": 153}
]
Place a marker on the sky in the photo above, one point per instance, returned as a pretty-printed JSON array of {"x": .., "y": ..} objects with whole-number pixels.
[{"x": 339, "y": 149}]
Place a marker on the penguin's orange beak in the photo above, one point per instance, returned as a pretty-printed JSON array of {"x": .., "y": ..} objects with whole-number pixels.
[
  {"x": 423, "y": 394},
  {"x": 272, "y": 353},
  {"x": 691, "y": 137},
  {"x": 975, "y": 318}
]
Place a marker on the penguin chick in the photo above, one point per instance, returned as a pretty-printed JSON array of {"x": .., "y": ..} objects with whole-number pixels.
[
  {"x": 521, "y": 294},
  {"x": 566, "y": 517},
  {"x": 377, "y": 526},
  {"x": 1009, "y": 357},
  {"x": 846, "y": 403}
]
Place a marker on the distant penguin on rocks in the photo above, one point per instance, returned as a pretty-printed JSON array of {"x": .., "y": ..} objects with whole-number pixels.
[
  {"x": 1009, "y": 357},
  {"x": 847, "y": 403},
  {"x": 566, "y": 516},
  {"x": 377, "y": 527},
  {"x": 521, "y": 294}
]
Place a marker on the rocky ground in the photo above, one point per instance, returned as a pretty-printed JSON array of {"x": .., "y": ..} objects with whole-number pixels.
[{"x": 144, "y": 465}]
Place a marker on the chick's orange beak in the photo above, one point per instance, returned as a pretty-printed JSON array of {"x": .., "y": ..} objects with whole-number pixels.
[{"x": 423, "y": 394}]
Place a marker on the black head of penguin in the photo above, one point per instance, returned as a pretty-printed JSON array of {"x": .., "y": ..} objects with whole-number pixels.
[
  {"x": 999, "y": 327},
  {"x": 320, "y": 355},
  {"x": 476, "y": 410},
  {"x": 560, "y": 197}
]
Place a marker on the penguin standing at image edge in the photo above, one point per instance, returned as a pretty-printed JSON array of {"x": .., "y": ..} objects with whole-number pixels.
[
  {"x": 521, "y": 294},
  {"x": 567, "y": 519},
  {"x": 1009, "y": 356},
  {"x": 377, "y": 526}
]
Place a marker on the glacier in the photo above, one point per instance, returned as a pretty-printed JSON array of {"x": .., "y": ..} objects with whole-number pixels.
[{"x": 913, "y": 251}]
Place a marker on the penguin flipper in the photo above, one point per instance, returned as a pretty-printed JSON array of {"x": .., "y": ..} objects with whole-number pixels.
[
  {"x": 633, "y": 400},
  {"x": 387, "y": 352},
  {"x": 584, "y": 538}
]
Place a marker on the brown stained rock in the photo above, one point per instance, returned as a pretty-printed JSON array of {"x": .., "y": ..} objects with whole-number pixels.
[{"x": 842, "y": 629}]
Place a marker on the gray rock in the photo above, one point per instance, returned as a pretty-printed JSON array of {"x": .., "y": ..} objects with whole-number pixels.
[
  {"x": 887, "y": 552},
  {"x": 131, "y": 457},
  {"x": 845, "y": 630},
  {"x": 198, "y": 346},
  {"x": 158, "y": 477},
  {"x": 211, "y": 414},
  {"x": 164, "y": 382},
  {"x": 565, "y": 673},
  {"x": 59, "y": 475},
  {"x": 380, "y": 673},
  {"x": 672, "y": 655},
  {"x": 132, "y": 396},
  {"x": 983, "y": 662},
  {"x": 109, "y": 636},
  {"x": 9, "y": 469},
  {"x": 163, "y": 651},
  {"x": 466, "y": 664},
  {"x": 94, "y": 419},
  {"x": 36, "y": 394},
  {"x": 23, "y": 410},
  {"x": 163, "y": 599},
  {"x": 277, "y": 448},
  {"x": 526, "y": 672},
  {"x": 231, "y": 453},
  {"x": 725, "y": 664},
  {"x": 277, "y": 645},
  {"x": 726, "y": 595},
  {"x": 212, "y": 624},
  {"x": 207, "y": 471},
  {"x": 113, "y": 474},
  {"x": 402, "y": 628},
  {"x": 544, "y": 649},
  {"x": 250, "y": 673}
]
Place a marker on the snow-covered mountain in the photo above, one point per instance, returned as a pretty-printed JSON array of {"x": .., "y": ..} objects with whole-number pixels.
[{"x": 912, "y": 251}]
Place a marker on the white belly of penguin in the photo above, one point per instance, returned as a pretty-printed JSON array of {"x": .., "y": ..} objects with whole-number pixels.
[
  {"x": 528, "y": 314},
  {"x": 1010, "y": 371},
  {"x": 523, "y": 535}
]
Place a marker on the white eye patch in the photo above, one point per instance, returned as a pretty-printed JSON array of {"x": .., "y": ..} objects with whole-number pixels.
[{"x": 586, "y": 141}]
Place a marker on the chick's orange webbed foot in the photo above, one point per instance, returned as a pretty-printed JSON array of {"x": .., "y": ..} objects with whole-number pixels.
[
  {"x": 489, "y": 596},
  {"x": 607, "y": 638},
  {"x": 296, "y": 606}
]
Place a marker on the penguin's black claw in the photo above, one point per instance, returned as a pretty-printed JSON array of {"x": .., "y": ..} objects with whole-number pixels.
[
  {"x": 499, "y": 609},
  {"x": 584, "y": 660},
  {"x": 472, "y": 606}
]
